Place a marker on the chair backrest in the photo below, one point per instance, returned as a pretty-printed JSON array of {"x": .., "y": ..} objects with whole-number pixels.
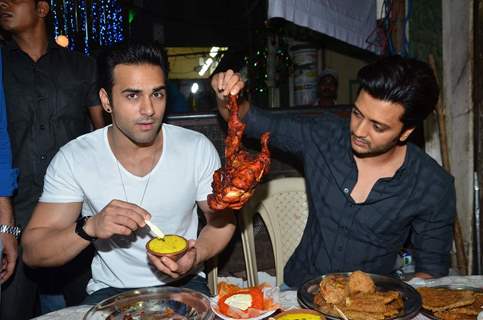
[{"x": 282, "y": 205}]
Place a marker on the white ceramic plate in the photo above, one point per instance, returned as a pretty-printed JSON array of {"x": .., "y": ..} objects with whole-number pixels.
[
  {"x": 214, "y": 308},
  {"x": 270, "y": 292}
]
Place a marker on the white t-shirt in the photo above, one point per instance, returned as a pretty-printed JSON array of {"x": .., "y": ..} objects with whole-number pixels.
[{"x": 85, "y": 170}]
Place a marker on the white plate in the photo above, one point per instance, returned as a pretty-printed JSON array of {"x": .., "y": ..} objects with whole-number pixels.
[
  {"x": 271, "y": 292},
  {"x": 214, "y": 305}
]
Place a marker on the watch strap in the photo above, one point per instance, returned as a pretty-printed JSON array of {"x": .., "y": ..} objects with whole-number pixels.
[
  {"x": 79, "y": 229},
  {"x": 15, "y": 231}
]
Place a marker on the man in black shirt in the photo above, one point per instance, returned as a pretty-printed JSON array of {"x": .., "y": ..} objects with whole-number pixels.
[
  {"x": 50, "y": 94},
  {"x": 368, "y": 188}
]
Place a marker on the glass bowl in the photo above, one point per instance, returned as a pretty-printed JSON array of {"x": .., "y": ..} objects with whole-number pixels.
[{"x": 153, "y": 304}]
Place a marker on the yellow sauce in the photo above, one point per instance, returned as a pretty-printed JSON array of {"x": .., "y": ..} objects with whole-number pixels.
[
  {"x": 299, "y": 316},
  {"x": 169, "y": 244}
]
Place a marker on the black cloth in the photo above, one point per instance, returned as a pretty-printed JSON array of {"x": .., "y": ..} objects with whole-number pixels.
[
  {"x": 341, "y": 235},
  {"x": 47, "y": 106}
]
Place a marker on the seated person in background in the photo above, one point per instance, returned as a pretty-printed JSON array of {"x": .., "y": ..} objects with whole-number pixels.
[
  {"x": 327, "y": 88},
  {"x": 134, "y": 170},
  {"x": 368, "y": 188}
]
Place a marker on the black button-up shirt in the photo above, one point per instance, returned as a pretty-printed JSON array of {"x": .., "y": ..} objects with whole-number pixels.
[
  {"x": 341, "y": 235},
  {"x": 47, "y": 106}
]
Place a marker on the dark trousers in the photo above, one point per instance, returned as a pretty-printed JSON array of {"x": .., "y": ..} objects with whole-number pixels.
[
  {"x": 20, "y": 294},
  {"x": 195, "y": 282}
]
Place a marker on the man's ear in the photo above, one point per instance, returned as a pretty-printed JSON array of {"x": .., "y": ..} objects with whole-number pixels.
[
  {"x": 43, "y": 8},
  {"x": 105, "y": 101},
  {"x": 406, "y": 133}
]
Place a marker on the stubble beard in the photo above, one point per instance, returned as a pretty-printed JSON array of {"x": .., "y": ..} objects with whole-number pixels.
[{"x": 374, "y": 152}]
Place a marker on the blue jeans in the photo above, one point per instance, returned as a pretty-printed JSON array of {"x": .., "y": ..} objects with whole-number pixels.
[
  {"x": 51, "y": 302},
  {"x": 195, "y": 282}
]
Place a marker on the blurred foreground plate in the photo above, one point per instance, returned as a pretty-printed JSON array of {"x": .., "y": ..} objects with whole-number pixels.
[
  {"x": 411, "y": 298},
  {"x": 153, "y": 303},
  {"x": 429, "y": 313}
]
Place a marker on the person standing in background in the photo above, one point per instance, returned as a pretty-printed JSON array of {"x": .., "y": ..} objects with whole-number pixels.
[
  {"x": 50, "y": 94},
  {"x": 327, "y": 88}
]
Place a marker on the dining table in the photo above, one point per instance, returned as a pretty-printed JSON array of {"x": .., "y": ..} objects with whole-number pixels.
[{"x": 288, "y": 298}]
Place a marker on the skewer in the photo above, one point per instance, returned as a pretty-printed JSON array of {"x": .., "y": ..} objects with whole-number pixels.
[
  {"x": 340, "y": 312},
  {"x": 155, "y": 230}
]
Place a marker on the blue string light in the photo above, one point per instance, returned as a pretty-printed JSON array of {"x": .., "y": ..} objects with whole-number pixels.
[
  {"x": 101, "y": 25},
  {"x": 53, "y": 9},
  {"x": 71, "y": 22},
  {"x": 84, "y": 25}
]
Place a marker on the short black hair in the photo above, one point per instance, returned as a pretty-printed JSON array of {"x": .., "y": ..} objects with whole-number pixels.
[
  {"x": 406, "y": 81},
  {"x": 130, "y": 54}
]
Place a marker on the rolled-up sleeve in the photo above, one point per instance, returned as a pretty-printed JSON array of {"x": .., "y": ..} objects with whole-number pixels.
[
  {"x": 8, "y": 175},
  {"x": 285, "y": 134},
  {"x": 432, "y": 235}
]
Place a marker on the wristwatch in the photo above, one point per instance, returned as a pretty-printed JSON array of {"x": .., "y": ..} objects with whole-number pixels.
[
  {"x": 15, "y": 231},
  {"x": 79, "y": 229}
]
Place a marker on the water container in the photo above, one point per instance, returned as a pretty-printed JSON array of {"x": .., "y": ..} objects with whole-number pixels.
[{"x": 304, "y": 58}]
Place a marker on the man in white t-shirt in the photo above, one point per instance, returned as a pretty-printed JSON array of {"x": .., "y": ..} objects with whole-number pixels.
[{"x": 137, "y": 169}]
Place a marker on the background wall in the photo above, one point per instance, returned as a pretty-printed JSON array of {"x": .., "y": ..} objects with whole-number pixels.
[{"x": 346, "y": 67}]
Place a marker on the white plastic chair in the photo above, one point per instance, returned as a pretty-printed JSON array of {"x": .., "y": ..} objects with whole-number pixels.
[
  {"x": 282, "y": 205},
  {"x": 211, "y": 269}
]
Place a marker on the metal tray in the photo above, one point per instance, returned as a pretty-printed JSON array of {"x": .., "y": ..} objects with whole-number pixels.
[
  {"x": 140, "y": 304},
  {"x": 429, "y": 313},
  {"x": 412, "y": 299}
]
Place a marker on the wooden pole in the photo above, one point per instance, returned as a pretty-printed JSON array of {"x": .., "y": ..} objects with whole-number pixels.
[{"x": 461, "y": 260}]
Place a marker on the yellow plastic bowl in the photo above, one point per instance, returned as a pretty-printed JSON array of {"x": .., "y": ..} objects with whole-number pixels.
[{"x": 300, "y": 314}]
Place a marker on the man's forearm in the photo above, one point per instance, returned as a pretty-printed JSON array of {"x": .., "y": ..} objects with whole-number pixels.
[
  {"x": 6, "y": 212},
  {"x": 48, "y": 247},
  {"x": 214, "y": 237}
]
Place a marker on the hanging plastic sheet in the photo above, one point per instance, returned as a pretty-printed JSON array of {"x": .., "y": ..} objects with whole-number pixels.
[{"x": 351, "y": 21}]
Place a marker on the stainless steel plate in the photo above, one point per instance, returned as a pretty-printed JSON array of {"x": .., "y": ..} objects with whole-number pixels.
[
  {"x": 412, "y": 299},
  {"x": 429, "y": 313},
  {"x": 153, "y": 303}
]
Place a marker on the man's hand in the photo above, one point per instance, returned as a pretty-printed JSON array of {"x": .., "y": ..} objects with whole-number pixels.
[
  {"x": 118, "y": 217},
  {"x": 9, "y": 256},
  {"x": 225, "y": 83},
  {"x": 8, "y": 259},
  {"x": 423, "y": 275},
  {"x": 176, "y": 269}
]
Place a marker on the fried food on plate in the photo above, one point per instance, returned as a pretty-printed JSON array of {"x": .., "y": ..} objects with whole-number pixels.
[
  {"x": 450, "y": 315},
  {"x": 440, "y": 299},
  {"x": 356, "y": 296},
  {"x": 465, "y": 312},
  {"x": 371, "y": 302},
  {"x": 333, "y": 288},
  {"x": 361, "y": 282}
]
